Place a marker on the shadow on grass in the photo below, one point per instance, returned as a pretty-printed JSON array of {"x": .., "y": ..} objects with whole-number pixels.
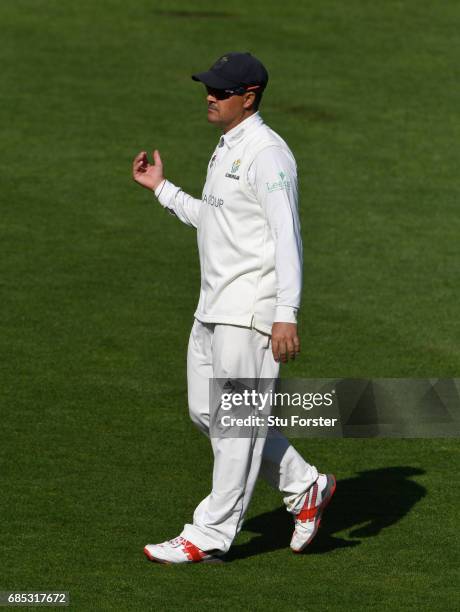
[{"x": 364, "y": 505}]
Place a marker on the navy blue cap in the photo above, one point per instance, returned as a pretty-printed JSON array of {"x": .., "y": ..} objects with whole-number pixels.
[{"x": 234, "y": 70}]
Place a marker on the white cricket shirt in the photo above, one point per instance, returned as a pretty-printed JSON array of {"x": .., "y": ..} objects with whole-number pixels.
[{"x": 248, "y": 229}]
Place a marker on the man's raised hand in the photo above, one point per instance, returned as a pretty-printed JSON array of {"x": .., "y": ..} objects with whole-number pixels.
[{"x": 148, "y": 175}]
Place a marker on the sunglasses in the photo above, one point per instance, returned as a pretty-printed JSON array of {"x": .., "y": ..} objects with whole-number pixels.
[{"x": 223, "y": 94}]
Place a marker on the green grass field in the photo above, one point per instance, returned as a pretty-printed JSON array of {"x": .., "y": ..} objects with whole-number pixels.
[{"x": 99, "y": 286}]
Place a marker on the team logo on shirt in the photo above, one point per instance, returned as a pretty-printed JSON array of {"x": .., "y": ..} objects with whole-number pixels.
[
  {"x": 281, "y": 183},
  {"x": 236, "y": 165},
  {"x": 234, "y": 170}
]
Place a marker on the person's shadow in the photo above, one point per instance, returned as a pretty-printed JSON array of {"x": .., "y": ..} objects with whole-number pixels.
[{"x": 364, "y": 505}]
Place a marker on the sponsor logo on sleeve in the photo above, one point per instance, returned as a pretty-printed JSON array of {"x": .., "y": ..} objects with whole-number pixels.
[{"x": 281, "y": 183}]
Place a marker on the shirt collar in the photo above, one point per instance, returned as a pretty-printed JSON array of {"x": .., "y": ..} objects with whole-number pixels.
[{"x": 233, "y": 136}]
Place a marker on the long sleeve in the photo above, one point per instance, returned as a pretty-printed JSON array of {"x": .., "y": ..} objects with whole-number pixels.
[
  {"x": 177, "y": 202},
  {"x": 273, "y": 176}
]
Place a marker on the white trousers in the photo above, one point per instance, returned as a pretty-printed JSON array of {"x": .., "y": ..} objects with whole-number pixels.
[{"x": 228, "y": 351}]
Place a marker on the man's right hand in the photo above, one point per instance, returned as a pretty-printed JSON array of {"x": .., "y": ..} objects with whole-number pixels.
[{"x": 148, "y": 175}]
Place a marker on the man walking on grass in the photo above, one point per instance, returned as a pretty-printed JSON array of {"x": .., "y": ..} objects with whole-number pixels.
[{"x": 246, "y": 320}]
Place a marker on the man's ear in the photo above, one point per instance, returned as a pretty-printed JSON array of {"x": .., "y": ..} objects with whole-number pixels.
[{"x": 249, "y": 98}]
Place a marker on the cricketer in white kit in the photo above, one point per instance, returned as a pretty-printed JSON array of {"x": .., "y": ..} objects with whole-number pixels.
[{"x": 246, "y": 321}]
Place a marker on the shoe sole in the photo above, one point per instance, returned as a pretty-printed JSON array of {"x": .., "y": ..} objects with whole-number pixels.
[
  {"x": 329, "y": 492},
  {"x": 150, "y": 557}
]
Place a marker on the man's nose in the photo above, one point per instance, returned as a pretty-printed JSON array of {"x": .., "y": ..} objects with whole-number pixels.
[{"x": 211, "y": 98}]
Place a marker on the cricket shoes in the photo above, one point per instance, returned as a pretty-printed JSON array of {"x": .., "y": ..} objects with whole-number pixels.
[
  {"x": 177, "y": 550},
  {"x": 308, "y": 520}
]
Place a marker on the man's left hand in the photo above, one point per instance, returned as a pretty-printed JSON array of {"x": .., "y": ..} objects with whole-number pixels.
[{"x": 285, "y": 341}]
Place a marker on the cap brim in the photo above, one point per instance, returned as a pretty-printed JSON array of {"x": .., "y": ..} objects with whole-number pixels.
[{"x": 211, "y": 79}]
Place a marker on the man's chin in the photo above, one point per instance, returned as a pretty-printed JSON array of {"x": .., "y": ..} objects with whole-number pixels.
[{"x": 213, "y": 116}]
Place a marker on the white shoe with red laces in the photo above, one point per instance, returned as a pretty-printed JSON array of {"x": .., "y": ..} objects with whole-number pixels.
[
  {"x": 308, "y": 519},
  {"x": 177, "y": 550}
]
